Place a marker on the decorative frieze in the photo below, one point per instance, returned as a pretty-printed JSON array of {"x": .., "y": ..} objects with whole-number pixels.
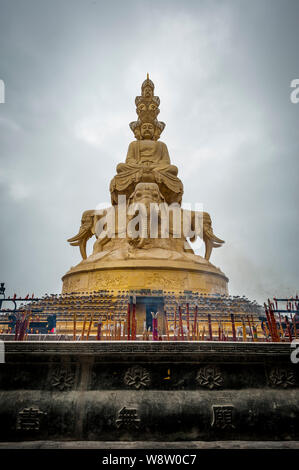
[
  {"x": 281, "y": 377},
  {"x": 62, "y": 379},
  {"x": 209, "y": 377},
  {"x": 137, "y": 377}
]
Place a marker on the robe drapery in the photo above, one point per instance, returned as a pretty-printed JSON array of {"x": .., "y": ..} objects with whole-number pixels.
[{"x": 147, "y": 161}]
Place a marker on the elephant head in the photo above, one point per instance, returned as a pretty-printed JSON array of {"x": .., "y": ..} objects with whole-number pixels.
[
  {"x": 200, "y": 225},
  {"x": 85, "y": 232}
]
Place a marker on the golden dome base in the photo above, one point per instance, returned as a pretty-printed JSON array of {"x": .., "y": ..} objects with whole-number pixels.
[{"x": 135, "y": 274}]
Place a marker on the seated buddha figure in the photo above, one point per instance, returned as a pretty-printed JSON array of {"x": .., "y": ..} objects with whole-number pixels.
[{"x": 147, "y": 161}]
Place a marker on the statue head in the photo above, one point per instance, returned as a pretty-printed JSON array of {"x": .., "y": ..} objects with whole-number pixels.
[
  {"x": 135, "y": 127},
  {"x": 158, "y": 129},
  {"x": 137, "y": 133},
  {"x": 147, "y": 92},
  {"x": 147, "y": 130},
  {"x": 147, "y": 88},
  {"x": 147, "y": 108}
]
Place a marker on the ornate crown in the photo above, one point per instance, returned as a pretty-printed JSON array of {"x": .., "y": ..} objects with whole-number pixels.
[
  {"x": 147, "y": 109},
  {"x": 147, "y": 82}
]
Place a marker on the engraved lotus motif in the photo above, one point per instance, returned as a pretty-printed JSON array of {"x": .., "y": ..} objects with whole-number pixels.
[
  {"x": 137, "y": 377},
  {"x": 209, "y": 377},
  {"x": 280, "y": 377},
  {"x": 62, "y": 380}
]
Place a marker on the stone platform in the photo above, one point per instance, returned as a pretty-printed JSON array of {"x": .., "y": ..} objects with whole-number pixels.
[{"x": 148, "y": 391}]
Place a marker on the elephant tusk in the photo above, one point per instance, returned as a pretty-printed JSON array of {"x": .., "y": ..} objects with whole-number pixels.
[
  {"x": 77, "y": 243},
  {"x": 81, "y": 234},
  {"x": 210, "y": 234},
  {"x": 81, "y": 240}
]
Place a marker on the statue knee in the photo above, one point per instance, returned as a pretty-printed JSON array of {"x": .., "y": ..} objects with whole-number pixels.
[{"x": 173, "y": 170}]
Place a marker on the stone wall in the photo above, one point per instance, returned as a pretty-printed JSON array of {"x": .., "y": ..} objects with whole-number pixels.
[{"x": 148, "y": 391}]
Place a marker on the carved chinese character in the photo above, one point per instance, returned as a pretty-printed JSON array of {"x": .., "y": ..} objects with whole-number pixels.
[
  {"x": 128, "y": 418},
  {"x": 223, "y": 416},
  {"x": 29, "y": 419}
]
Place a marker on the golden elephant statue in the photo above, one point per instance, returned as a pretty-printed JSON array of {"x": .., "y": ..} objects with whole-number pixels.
[{"x": 94, "y": 222}]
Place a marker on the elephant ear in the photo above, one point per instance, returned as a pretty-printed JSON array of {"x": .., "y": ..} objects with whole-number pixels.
[{"x": 85, "y": 232}]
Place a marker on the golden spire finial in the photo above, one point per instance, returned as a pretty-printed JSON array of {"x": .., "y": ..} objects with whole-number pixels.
[{"x": 147, "y": 76}]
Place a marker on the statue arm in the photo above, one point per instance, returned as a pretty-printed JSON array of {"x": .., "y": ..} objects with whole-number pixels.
[
  {"x": 131, "y": 155},
  {"x": 165, "y": 155}
]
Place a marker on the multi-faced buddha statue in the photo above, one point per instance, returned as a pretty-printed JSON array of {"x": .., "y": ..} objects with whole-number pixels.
[{"x": 147, "y": 158}]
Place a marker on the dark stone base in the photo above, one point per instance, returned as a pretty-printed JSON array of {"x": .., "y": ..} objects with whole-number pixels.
[
  {"x": 145, "y": 391},
  {"x": 213, "y": 445}
]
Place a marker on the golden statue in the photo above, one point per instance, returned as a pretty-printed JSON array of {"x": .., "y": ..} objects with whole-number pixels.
[
  {"x": 146, "y": 189},
  {"x": 147, "y": 159}
]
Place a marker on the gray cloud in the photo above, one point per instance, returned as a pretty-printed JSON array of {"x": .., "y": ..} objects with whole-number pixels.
[{"x": 222, "y": 70}]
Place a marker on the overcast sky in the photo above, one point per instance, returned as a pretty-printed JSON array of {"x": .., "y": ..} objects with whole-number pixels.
[{"x": 222, "y": 70}]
